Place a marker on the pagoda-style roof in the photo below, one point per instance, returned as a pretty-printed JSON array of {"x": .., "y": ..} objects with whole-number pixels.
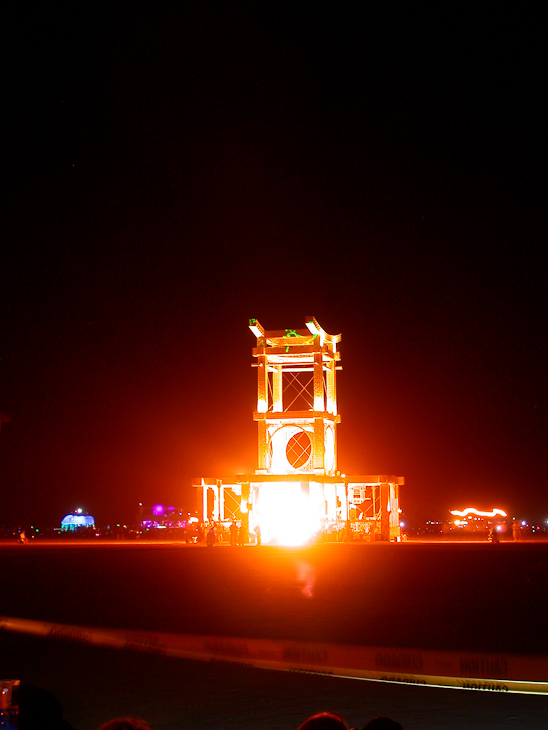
[
  {"x": 292, "y": 337},
  {"x": 294, "y": 346}
]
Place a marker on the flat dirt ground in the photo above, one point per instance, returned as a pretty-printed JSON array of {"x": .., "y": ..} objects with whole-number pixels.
[{"x": 470, "y": 596}]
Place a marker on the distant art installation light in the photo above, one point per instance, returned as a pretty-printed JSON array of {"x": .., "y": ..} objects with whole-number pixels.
[
  {"x": 73, "y": 521},
  {"x": 478, "y": 513},
  {"x": 297, "y": 491}
]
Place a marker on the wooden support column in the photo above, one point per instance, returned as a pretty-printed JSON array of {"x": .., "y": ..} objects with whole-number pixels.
[
  {"x": 319, "y": 402},
  {"x": 215, "y": 513},
  {"x": 204, "y": 504},
  {"x": 220, "y": 500},
  {"x": 385, "y": 515},
  {"x": 262, "y": 407},
  {"x": 331, "y": 395},
  {"x": 277, "y": 387},
  {"x": 200, "y": 502},
  {"x": 318, "y": 446},
  {"x": 262, "y": 385},
  {"x": 262, "y": 445},
  {"x": 395, "y": 529}
]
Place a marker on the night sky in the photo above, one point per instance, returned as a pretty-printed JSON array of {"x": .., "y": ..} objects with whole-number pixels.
[{"x": 169, "y": 173}]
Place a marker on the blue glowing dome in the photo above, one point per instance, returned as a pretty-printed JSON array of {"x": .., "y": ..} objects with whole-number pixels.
[{"x": 71, "y": 522}]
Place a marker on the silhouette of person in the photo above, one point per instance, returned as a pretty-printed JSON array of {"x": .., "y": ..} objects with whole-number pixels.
[
  {"x": 233, "y": 533},
  {"x": 324, "y": 721},
  {"x": 39, "y": 710},
  {"x": 126, "y": 723},
  {"x": 382, "y": 723}
]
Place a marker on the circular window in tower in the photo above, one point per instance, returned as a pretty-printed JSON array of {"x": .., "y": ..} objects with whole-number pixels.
[{"x": 299, "y": 450}]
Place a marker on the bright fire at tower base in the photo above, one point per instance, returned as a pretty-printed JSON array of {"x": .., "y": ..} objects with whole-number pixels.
[{"x": 297, "y": 494}]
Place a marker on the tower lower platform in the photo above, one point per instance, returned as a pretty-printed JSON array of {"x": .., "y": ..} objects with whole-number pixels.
[{"x": 293, "y": 508}]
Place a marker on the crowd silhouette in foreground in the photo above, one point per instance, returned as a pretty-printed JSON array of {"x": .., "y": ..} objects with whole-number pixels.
[
  {"x": 331, "y": 721},
  {"x": 320, "y": 721},
  {"x": 40, "y": 710}
]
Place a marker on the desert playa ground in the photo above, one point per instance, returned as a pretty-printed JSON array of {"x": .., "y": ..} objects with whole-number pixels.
[{"x": 447, "y": 596}]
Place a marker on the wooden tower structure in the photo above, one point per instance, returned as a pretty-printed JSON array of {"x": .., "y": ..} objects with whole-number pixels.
[
  {"x": 296, "y": 399},
  {"x": 297, "y": 489}
]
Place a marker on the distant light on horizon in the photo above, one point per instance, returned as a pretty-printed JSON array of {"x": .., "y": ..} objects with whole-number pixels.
[{"x": 478, "y": 513}]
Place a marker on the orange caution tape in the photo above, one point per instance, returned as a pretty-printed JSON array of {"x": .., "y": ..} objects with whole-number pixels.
[{"x": 461, "y": 670}]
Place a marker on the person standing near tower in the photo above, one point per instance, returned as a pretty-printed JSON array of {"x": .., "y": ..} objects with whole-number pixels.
[{"x": 233, "y": 533}]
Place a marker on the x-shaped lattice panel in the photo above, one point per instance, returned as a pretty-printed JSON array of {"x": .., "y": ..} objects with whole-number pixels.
[
  {"x": 298, "y": 388},
  {"x": 299, "y": 450}
]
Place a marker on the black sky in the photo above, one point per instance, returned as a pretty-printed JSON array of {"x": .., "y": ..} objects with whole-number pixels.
[{"x": 169, "y": 173}]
